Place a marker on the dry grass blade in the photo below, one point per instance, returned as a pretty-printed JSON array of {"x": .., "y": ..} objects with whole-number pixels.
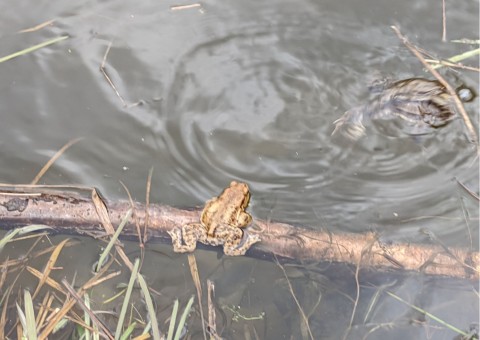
[
  {"x": 50, "y": 265},
  {"x": 86, "y": 318},
  {"x": 58, "y": 315},
  {"x": 16, "y": 262},
  {"x": 300, "y": 309},
  {"x": 212, "y": 324},
  {"x": 44, "y": 308},
  {"x": 38, "y": 27},
  {"x": 53, "y": 159},
  {"x": 147, "y": 204},
  {"x": 103, "y": 279},
  {"x": 466, "y": 119},
  {"x": 87, "y": 310},
  {"x": 366, "y": 249},
  {"x": 113, "y": 240},
  {"x": 444, "y": 22},
  {"x": 30, "y": 316},
  {"x": 466, "y": 41},
  {"x": 126, "y": 300},
  {"x": 102, "y": 212},
  {"x": 49, "y": 281},
  {"x": 3, "y": 318},
  {"x": 107, "y": 77},
  {"x": 150, "y": 308},
  {"x": 192, "y": 263},
  {"x": 137, "y": 224},
  {"x": 3, "y": 277},
  {"x": 33, "y": 48}
]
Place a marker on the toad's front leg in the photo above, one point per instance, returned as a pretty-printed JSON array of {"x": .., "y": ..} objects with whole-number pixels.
[{"x": 184, "y": 240}]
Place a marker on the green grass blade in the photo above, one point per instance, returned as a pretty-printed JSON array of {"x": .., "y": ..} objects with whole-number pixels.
[
  {"x": 173, "y": 319},
  {"x": 20, "y": 231},
  {"x": 431, "y": 316},
  {"x": 128, "y": 331},
  {"x": 114, "y": 238},
  {"x": 181, "y": 323},
  {"x": 460, "y": 57},
  {"x": 150, "y": 308},
  {"x": 86, "y": 317},
  {"x": 21, "y": 317},
  {"x": 126, "y": 300},
  {"x": 30, "y": 317},
  {"x": 33, "y": 48}
]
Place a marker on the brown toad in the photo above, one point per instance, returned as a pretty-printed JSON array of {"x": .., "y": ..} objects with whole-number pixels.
[
  {"x": 220, "y": 223},
  {"x": 421, "y": 104}
]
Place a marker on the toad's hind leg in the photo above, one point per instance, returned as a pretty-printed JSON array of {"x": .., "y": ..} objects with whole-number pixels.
[
  {"x": 184, "y": 240},
  {"x": 232, "y": 248}
]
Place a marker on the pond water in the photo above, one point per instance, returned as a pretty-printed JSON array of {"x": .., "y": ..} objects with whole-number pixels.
[{"x": 248, "y": 90}]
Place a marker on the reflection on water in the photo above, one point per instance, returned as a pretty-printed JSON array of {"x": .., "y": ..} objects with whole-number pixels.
[{"x": 246, "y": 91}]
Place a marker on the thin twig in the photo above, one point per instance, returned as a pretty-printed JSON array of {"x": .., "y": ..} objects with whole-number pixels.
[
  {"x": 147, "y": 204},
  {"x": 466, "y": 119},
  {"x": 53, "y": 159},
  {"x": 182, "y": 7},
  {"x": 302, "y": 313},
  {"x": 473, "y": 194},
  {"x": 77, "y": 297},
  {"x": 366, "y": 248},
  {"x": 37, "y": 27},
  {"x": 444, "y": 16},
  {"x": 107, "y": 77}
]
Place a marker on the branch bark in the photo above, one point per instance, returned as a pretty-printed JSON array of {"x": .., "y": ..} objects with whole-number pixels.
[{"x": 69, "y": 212}]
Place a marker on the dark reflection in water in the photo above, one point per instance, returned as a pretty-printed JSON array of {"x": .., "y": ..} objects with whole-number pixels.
[{"x": 239, "y": 90}]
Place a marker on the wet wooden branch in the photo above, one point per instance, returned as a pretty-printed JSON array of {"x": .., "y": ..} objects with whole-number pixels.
[{"x": 73, "y": 213}]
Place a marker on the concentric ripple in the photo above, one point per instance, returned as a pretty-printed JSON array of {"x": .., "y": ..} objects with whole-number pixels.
[{"x": 256, "y": 101}]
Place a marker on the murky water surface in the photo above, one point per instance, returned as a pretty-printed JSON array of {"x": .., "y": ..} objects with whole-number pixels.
[{"x": 245, "y": 90}]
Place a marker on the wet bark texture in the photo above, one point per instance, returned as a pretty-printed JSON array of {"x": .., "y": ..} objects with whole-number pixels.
[{"x": 73, "y": 213}]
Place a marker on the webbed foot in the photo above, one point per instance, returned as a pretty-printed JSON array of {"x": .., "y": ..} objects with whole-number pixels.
[
  {"x": 239, "y": 250},
  {"x": 178, "y": 239}
]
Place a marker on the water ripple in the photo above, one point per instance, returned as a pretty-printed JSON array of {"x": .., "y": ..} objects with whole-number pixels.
[{"x": 256, "y": 101}]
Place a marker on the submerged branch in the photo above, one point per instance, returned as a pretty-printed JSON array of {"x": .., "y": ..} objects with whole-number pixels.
[{"x": 71, "y": 213}]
